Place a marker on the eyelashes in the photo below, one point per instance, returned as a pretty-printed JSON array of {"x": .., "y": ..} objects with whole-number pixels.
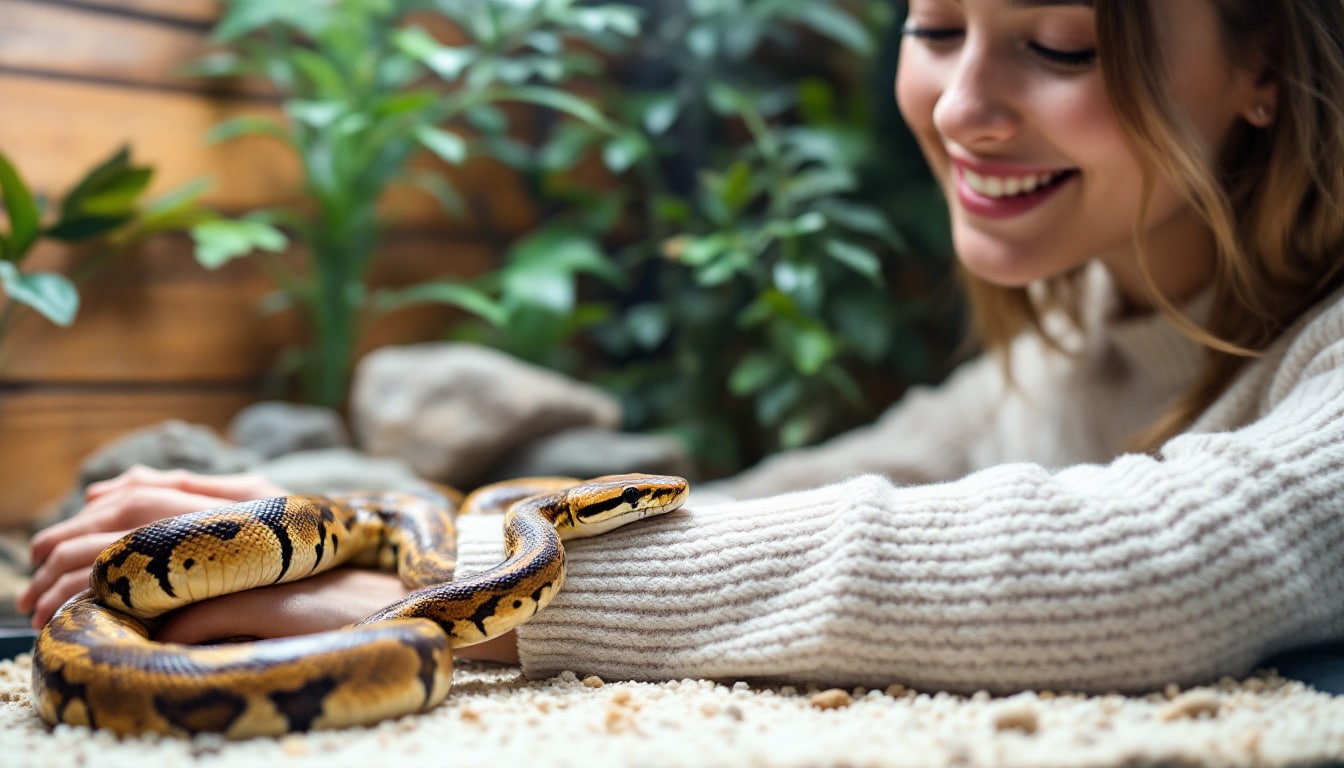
[{"x": 1078, "y": 59}]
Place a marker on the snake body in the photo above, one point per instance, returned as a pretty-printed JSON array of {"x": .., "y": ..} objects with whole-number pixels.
[{"x": 96, "y": 663}]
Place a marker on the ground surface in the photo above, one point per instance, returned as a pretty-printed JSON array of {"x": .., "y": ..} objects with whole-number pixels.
[{"x": 494, "y": 717}]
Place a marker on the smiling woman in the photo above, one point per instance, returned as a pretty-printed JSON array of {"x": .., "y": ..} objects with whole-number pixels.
[{"x": 1148, "y": 205}]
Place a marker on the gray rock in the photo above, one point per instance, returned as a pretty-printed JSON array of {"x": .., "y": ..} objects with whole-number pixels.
[
  {"x": 453, "y": 411},
  {"x": 587, "y": 452},
  {"x": 332, "y": 470},
  {"x": 168, "y": 445},
  {"x": 272, "y": 429}
]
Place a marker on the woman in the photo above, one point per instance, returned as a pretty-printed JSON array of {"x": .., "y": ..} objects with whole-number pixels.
[{"x": 1141, "y": 483}]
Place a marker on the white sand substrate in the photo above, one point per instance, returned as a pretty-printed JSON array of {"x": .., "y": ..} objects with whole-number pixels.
[{"x": 495, "y": 717}]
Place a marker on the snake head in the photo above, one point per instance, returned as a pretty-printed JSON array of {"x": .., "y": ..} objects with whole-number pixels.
[{"x": 600, "y": 504}]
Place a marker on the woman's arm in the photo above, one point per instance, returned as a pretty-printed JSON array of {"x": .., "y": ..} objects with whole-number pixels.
[{"x": 1228, "y": 547}]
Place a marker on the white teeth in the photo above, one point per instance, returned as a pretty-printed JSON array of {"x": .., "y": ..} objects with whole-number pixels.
[{"x": 1006, "y": 186}]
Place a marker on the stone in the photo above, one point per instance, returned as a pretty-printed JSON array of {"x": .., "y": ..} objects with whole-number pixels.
[
  {"x": 273, "y": 428},
  {"x": 332, "y": 470},
  {"x": 589, "y": 452},
  {"x": 452, "y": 411},
  {"x": 169, "y": 444}
]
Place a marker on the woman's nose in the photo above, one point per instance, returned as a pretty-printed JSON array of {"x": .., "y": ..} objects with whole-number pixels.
[{"x": 976, "y": 107}]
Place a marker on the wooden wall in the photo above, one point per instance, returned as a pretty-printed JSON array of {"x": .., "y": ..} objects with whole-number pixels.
[{"x": 157, "y": 336}]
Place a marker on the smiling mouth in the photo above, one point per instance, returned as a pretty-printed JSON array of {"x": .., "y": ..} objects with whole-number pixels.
[{"x": 1000, "y": 187}]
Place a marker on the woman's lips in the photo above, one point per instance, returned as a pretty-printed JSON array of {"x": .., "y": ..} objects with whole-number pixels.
[{"x": 1001, "y": 193}]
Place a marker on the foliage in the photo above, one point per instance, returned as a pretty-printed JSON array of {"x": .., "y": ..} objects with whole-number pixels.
[
  {"x": 365, "y": 86},
  {"x": 105, "y": 206},
  {"x": 774, "y": 257}
]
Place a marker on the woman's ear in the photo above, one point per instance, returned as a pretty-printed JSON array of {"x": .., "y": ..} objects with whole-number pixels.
[{"x": 1261, "y": 102}]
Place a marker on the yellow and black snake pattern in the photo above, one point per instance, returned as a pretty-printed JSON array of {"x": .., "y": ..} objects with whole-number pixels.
[{"x": 96, "y": 662}]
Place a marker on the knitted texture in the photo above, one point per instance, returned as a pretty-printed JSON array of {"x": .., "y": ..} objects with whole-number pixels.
[{"x": 1020, "y": 569}]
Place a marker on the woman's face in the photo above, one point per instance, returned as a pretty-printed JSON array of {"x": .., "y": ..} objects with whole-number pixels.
[{"x": 1008, "y": 103}]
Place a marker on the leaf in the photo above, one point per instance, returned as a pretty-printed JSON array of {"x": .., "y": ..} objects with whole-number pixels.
[
  {"x": 52, "y": 295},
  {"x": 809, "y": 346},
  {"x": 24, "y": 219},
  {"x": 458, "y": 295},
  {"x": 445, "y": 61},
  {"x": 448, "y": 146},
  {"x": 829, "y": 20},
  {"x": 562, "y": 102},
  {"x": 248, "y": 125},
  {"x": 438, "y": 187},
  {"x": 86, "y": 227},
  {"x": 178, "y": 209},
  {"x": 222, "y": 240},
  {"x": 857, "y": 258},
  {"x": 752, "y": 373},
  {"x": 648, "y": 325},
  {"x": 661, "y": 113},
  {"x": 624, "y": 152},
  {"x": 326, "y": 80}
]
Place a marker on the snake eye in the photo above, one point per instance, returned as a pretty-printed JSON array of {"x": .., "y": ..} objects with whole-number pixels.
[{"x": 630, "y": 495}]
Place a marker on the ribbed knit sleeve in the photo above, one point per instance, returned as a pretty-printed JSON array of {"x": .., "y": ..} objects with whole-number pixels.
[{"x": 1119, "y": 576}]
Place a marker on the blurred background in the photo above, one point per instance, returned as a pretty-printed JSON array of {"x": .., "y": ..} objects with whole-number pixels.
[{"x": 709, "y": 210}]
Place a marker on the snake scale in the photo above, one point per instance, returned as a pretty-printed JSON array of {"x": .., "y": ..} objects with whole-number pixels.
[{"x": 96, "y": 662}]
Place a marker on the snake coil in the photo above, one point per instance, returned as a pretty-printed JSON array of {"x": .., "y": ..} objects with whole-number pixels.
[{"x": 96, "y": 663}]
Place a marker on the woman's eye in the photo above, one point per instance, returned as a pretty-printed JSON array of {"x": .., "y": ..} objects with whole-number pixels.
[
  {"x": 931, "y": 34},
  {"x": 1083, "y": 57}
]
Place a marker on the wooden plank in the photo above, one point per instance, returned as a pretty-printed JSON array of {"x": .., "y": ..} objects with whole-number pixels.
[
  {"x": 70, "y": 42},
  {"x": 184, "y": 10},
  {"x": 156, "y": 316},
  {"x": 48, "y": 432},
  {"x": 55, "y": 130}
]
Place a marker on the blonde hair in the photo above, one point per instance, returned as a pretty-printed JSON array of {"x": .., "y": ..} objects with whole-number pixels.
[{"x": 1274, "y": 201}]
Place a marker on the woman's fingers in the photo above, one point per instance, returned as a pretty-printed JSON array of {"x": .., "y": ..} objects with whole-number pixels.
[
  {"x": 236, "y": 487},
  {"x": 65, "y": 587},
  {"x": 327, "y": 601},
  {"x": 120, "y": 510},
  {"x": 73, "y": 554}
]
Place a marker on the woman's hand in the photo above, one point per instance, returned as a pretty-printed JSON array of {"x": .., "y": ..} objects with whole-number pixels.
[
  {"x": 63, "y": 554},
  {"x": 323, "y": 602}
]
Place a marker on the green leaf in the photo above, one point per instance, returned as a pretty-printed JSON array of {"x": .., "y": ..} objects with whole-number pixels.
[
  {"x": 752, "y": 373},
  {"x": 318, "y": 114},
  {"x": 448, "y": 146},
  {"x": 81, "y": 228},
  {"x": 326, "y": 80},
  {"x": 809, "y": 346},
  {"x": 108, "y": 192},
  {"x": 827, "y": 19},
  {"x": 445, "y": 61},
  {"x": 24, "y": 219},
  {"x": 248, "y": 125},
  {"x": 462, "y": 296},
  {"x": 438, "y": 187},
  {"x": 222, "y": 240},
  {"x": 857, "y": 258},
  {"x": 50, "y": 294},
  {"x": 862, "y": 219},
  {"x": 562, "y": 102},
  {"x": 648, "y": 325},
  {"x": 624, "y": 152},
  {"x": 177, "y": 209},
  {"x": 661, "y": 113}
]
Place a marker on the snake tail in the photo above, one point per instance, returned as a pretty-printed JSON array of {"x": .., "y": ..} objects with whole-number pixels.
[{"x": 98, "y": 667}]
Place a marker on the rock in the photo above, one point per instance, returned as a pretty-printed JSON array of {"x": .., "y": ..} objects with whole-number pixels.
[
  {"x": 453, "y": 411},
  {"x": 168, "y": 445},
  {"x": 589, "y": 452},
  {"x": 340, "y": 469},
  {"x": 272, "y": 429}
]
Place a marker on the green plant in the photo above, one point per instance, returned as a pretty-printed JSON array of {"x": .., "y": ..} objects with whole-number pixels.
[
  {"x": 773, "y": 252},
  {"x": 104, "y": 207},
  {"x": 365, "y": 87}
]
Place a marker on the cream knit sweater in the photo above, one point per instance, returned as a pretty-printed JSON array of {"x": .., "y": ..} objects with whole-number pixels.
[{"x": 980, "y": 537}]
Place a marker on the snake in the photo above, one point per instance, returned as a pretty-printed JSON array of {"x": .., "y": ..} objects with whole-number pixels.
[{"x": 96, "y": 663}]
